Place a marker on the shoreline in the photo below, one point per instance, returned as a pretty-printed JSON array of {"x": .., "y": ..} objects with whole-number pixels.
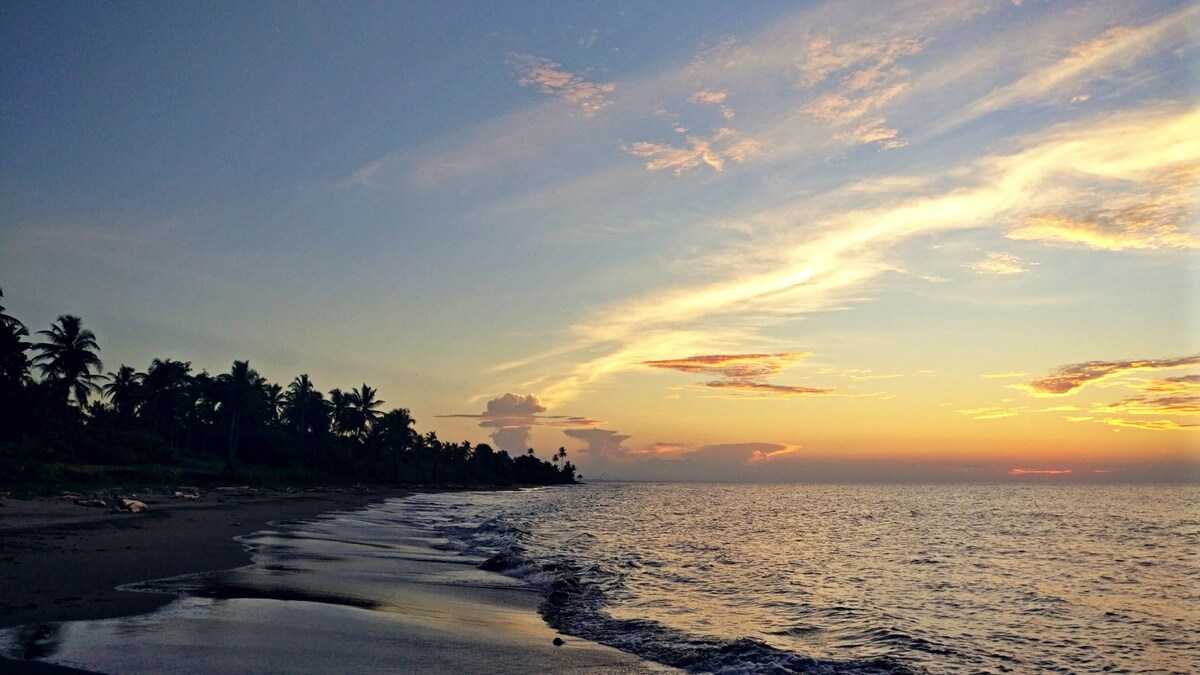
[
  {"x": 60, "y": 562},
  {"x": 63, "y": 562}
]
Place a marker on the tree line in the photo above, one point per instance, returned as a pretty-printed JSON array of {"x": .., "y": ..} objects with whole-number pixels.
[{"x": 185, "y": 424}]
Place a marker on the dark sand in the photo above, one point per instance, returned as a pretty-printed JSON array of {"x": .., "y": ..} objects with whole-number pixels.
[{"x": 62, "y": 562}]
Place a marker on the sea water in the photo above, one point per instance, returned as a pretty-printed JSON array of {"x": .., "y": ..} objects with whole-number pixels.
[
  {"x": 708, "y": 577},
  {"x": 948, "y": 578}
]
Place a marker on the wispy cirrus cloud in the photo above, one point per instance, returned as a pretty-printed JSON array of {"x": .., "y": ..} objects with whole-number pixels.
[
  {"x": 733, "y": 366},
  {"x": 871, "y": 77},
  {"x": 991, "y": 412},
  {"x": 1162, "y": 405},
  {"x": 1008, "y": 375},
  {"x": 776, "y": 269},
  {"x": 1158, "y": 212},
  {"x": 712, "y": 151},
  {"x": 550, "y": 78},
  {"x": 742, "y": 372},
  {"x": 1117, "y": 48},
  {"x": 1161, "y": 398},
  {"x": 1173, "y": 385},
  {"x": 1069, "y": 379},
  {"x": 1152, "y": 425},
  {"x": 1001, "y": 264},
  {"x": 1039, "y": 472},
  {"x": 714, "y": 97}
]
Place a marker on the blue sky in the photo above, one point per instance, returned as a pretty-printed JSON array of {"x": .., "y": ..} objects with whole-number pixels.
[{"x": 595, "y": 207}]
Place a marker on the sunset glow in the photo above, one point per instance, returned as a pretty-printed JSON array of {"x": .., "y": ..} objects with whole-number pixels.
[{"x": 795, "y": 241}]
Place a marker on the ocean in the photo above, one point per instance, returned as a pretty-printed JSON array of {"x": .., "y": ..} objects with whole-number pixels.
[
  {"x": 950, "y": 578},
  {"x": 720, "y": 578}
]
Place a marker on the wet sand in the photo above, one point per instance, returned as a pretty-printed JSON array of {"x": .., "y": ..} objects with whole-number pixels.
[{"x": 62, "y": 562}]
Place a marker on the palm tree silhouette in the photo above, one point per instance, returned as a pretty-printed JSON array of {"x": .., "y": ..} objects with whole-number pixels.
[
  {"x": 362, "y": 408},
  {"x": 124, "y": 390},
  {"x": 14, "y": 365},
  {"x": 68, "y": 356},
  {"x": 164, "y": 396},
  {"x": 239, "y": 386},
  {"x": 300, "y": 402}
]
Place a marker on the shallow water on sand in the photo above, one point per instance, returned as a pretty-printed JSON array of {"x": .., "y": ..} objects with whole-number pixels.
[
  {"x": 955, "y": 579},
  {"x": 353, "y": 592}
]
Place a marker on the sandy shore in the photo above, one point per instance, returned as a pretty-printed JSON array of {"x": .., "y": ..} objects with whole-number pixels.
[{"x": 62, "y": 562}]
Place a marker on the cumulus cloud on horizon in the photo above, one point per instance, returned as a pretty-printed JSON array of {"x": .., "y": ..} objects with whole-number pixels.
[
  {"x": 513, "y": 416},
  {"x": 602, "y": 444}
]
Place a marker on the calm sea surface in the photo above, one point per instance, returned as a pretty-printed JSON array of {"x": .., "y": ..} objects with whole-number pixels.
[
  {"x": 721, "y": 578},
  {"x": 955, "y": 579}
]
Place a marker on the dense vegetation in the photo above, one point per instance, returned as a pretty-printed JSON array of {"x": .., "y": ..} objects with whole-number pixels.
[{"x": 174, "y": 424}]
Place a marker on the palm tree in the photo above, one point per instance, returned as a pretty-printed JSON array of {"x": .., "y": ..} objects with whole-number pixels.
[
  {"x": 165, "y": 397},
  {"x": 361, "y": 410},
  {"x": 68, "y": 357},
  {"x": 367, "y": 404},
  {"x": 305, "y": 409},
  {"x": 239, "y": 387},
  {"x": 124, "y": 389},
  {"x": 14, "y": 365},
  {"x": 271, "y": 395}
]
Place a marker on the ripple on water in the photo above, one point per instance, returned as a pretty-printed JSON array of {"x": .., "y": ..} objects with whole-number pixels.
[{"x": 957, "y": 579}]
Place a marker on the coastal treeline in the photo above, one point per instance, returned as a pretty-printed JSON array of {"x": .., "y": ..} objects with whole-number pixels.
[{"x": 63, "y": 418}]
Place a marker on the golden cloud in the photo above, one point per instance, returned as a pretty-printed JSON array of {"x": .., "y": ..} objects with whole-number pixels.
[
  {"x": 785, "y": 270},
  {"x": 763, "y": 387},
  {"x": 1105, "y": 233},
  {"x": 991, "y": 413},
  {"x": 1070, "y": 378},
  {"x": 1167, "y": 405},
  {"x": 1153, "y": 425},
  {"x": 1171, "y": 385}
]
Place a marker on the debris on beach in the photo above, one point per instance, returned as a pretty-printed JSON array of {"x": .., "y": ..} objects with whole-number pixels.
[
  {"x": 237, "y": 491},
  {"x": 99, "y": 503},
  {"x": 129, "y": 506},
  {"x": 186, "y": 494}
]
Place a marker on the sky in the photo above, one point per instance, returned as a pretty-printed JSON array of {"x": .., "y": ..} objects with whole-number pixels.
[{"x": 684, "y": 240}]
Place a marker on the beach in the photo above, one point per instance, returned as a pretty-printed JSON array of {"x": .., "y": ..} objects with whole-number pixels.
[{"x": 63, "y": 562}]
